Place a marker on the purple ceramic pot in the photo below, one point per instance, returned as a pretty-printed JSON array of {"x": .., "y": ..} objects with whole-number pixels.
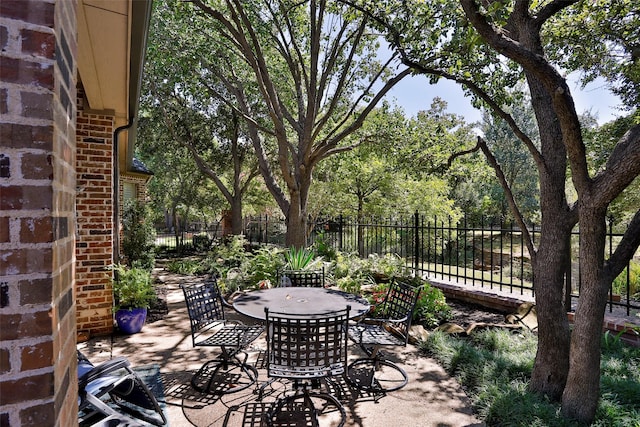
[{"x": 131, "y": 321}]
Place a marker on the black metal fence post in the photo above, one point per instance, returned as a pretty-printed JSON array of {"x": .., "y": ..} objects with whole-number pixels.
[{"x": 340, "y": 231}]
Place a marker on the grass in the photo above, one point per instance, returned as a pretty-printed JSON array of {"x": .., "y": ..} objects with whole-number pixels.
[{"x": 494, "y": 367}]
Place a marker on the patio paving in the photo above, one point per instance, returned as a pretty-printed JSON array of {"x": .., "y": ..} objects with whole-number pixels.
[{"x": 431, "y": 398}]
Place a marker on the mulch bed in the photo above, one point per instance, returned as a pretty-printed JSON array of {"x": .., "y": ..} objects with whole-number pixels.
[
  {"x": 466, "y": 314},
  {"x": 158, "y": 309}
]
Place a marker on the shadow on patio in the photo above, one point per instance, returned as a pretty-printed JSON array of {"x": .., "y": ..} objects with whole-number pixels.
[{"x": 431, "y": 398}]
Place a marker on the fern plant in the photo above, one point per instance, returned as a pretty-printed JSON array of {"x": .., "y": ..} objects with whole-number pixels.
[{"x": 132, "y": 287}]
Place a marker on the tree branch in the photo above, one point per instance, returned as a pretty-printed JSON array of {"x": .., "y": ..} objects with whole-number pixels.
[
  {"x": 622, "y": 167},
  {"x": 551, "y": 9},
  {"x": 625, "y": 249},
  {"x": 509, "y": 196},
  {"x": 555, "y": 85}
]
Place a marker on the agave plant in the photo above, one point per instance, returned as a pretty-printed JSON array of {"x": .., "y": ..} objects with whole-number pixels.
[{"x": 298, "y": 258}]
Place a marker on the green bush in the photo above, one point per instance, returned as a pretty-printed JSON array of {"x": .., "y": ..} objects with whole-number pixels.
[
  {"x": 184, "y": 266},
  {"x": 238, "y": 269},
  {"x": 323, "y": 248},
  {"x": 229, "y": 253},
  {"x": 353, "y": 284},
  {"x": 431, "y": 308},
  {"x": 201, "y": 242},
  {"x": 298, "y": 258},
  {"x": 619, "y": 284},
  {"x": 350, "y": 264},
  {"x": 385, "y": 267},
  {"x": 263, "y": 265},
  {"x": 132, "y": 287},
  {"x": 138, "y": 235}
]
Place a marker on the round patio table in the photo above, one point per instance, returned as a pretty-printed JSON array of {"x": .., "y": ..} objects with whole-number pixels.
[{"x": 299, "y": 300}]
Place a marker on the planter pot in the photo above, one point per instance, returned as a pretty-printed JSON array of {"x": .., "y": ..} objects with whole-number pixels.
[{"x": 131, "y": 321}]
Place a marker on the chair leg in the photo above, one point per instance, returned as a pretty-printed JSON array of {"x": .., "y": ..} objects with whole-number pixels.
[
  {"x": 376, "y": 375},
  {"x": 226, "y": 374},
  {"x": 275, "y": 415}
]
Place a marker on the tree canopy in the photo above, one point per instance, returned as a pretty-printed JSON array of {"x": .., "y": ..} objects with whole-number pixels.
[
  {"x": 303, "y": 76},
  {"x": 490, "y": 48}
]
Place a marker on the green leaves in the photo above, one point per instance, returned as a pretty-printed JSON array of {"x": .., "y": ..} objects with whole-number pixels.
[
  {"x": 298, "y": 258},
  {"x": 132, "y": 287}
]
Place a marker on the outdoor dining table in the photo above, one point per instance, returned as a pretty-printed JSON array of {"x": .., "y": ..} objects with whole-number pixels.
[{"x": 299, "y": 300}]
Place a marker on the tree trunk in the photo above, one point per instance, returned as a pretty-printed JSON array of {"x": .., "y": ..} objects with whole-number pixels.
[
  {"x": 296, "y": 222},
  {"x": 236, "y": 215},
  {"x": 553, "y": 256},
  {"x": 551, "y": 365},
  {"x": 580, "y": 397}
]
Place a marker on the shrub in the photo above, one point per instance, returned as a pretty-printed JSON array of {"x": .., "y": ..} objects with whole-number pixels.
[
  {"x": 138, "y": 235},
  {"x": 432, "y": 308},
  {"x": 349, "y": 265},
  {"x": 184, "y": 266},
  {"x": 353, "y": 284},
  {"x": 132, "y": 287},
  {"x": 202, "y": 242},
  {"x": 383, "y": 268},
  {"x": 263, "y": 265},
  {"x": 228, "y": 254},
  {"x": 619, "y": 284},
  {"x": 376, "y": 299},
  {"x": 323, "y": 248},
  {"x": 298, "y": 258}
]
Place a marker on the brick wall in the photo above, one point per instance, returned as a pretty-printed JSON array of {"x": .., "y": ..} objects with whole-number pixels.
[
  {"x": 94, "y": 204},
  {"x": 38, "y": 384}
]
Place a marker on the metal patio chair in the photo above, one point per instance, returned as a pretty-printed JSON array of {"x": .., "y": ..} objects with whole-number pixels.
[
  {"x": 302, "y": 278},
  {"x": 375, "y": 373},
  {"x": 305, "y": 350},
  {"x": 227, "y": 373},
  {"x": 111, "y": 393}
]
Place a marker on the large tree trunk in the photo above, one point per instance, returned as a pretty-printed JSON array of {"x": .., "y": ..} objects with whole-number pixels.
[
  {"x": 236, "y": 215},
  {"x": 296, "y": 222},
  {"x": 553, "y": 257},
  {"x": 580, "y": 398},
  {"x": 551, "y": 365}
]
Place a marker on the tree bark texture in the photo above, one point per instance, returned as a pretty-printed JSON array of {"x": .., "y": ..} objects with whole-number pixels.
[
  {"x": 561, "y": 139},
  {"x": 580, "y": 397},
  {"x": 296, "y": 220}
]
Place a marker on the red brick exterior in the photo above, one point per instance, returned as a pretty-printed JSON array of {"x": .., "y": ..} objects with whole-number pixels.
[
  {"x": 94, "y": 210},
  {"x": 38, "y": 384}
]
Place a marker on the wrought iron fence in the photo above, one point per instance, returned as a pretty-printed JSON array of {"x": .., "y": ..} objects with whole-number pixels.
[
  {"x": 188, "y": 240},
  {"x": 492, "y": 255}
]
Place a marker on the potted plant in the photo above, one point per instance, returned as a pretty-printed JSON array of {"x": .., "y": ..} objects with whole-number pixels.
[{"x": 133, "y": 293}]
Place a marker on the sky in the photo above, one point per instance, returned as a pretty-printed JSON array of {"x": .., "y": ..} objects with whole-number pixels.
[{"x": 414, "y": 93}]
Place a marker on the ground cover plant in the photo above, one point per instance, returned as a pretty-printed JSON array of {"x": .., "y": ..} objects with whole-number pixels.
[
  {"x": 494, "y": 367},
  {"x": 239, "y": 266}
]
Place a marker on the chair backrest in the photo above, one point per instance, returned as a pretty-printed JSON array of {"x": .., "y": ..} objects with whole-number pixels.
[
  {"x": 302, "y": 278},
  {"x": 204, "y": 305},
  {"x": 399, "y": 304},
  {"x": 306, "y": 346}
]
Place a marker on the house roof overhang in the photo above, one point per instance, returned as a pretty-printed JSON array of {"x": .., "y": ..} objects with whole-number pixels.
[{"x": 112, "y": 38}]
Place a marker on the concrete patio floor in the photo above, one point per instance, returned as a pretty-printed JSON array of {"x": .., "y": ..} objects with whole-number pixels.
[{"x": 431, "y": 398}]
